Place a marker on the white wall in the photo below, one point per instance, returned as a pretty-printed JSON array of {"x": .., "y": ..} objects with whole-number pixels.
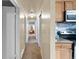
[
  {"x": 22, "y": 35},
  {"x": 45, "y": 39},
  {"x": 47, "y": 31}
]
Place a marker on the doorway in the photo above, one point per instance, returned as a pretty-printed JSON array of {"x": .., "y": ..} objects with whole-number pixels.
[{"x": 32, "y": 38}]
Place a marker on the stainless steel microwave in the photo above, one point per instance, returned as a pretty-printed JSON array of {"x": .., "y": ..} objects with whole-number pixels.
[{"x": 70, "y": 16}]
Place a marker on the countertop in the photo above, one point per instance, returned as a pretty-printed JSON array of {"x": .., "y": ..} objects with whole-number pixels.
[{"x": 63, "y": 41}]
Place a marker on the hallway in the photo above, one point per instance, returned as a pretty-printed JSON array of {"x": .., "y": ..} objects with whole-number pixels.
[
  {"x": 28, "y": 22},
  {"x": 32, "y": 51}
]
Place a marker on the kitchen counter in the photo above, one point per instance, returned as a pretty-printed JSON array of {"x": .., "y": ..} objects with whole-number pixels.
[{"x": 63, "y": 41}]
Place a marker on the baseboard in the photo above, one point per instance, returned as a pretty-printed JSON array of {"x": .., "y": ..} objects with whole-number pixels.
[{"x": 22, "y": 52}]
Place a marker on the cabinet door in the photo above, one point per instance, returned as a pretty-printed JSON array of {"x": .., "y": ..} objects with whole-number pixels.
[
  {"x": 68, "y": 5},
  {"x": 74, "y": 4},
  {"x": 59, "y": 11},
  {"x": 66, "y": 53},
  {"x": 58, "y": 51},
  {"x": 63, "y": 51},
  {"x": 58, "y": 54}
]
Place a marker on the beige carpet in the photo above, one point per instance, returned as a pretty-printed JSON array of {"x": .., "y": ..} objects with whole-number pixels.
[{"x": 32, "y": 51}]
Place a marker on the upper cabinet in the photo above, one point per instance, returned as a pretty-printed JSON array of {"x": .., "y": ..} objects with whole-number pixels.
[
  {"x": 68, "y": 5},
  {"x": 74, "y": 4},
  {"x": 63, "y": 5},
  {"x": 59, "y": 11}
]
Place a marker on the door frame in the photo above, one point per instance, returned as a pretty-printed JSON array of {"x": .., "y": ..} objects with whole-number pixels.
[{"x": 17, "y": 28}]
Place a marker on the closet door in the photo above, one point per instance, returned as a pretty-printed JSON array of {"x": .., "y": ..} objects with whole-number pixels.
[{"x": 8, "y": 33}]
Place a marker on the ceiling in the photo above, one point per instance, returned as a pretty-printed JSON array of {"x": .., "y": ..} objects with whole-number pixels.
[{"x": 35, "y": 5}]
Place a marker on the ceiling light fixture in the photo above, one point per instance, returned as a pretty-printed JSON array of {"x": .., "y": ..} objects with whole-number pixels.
[
  {"x": 21, "y": 16},
  {"x": 45, "y": 16},
  {"x": 32, "y": 14}
]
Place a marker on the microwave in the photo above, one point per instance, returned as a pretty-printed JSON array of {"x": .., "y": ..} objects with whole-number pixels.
[{"x": 70, "y": 16}]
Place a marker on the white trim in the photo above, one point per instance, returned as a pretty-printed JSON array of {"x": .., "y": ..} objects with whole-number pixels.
[
  {"x": 18, "y": 4},
  {"x": 17, "y": 22},
  {"x": 52, "y": 30},
  {"x": 26, "y": 23},
  {"x": 38, "y": 29},
  {"x": 17, "y": 29},
  {"x": 15, "y": 3},
  {"x": 22, "y": 52}
]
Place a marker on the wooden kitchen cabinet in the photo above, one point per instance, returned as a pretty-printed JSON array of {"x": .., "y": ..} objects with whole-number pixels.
[
  {"x": 74, "y": 4},
  {"x": 61, "y": 6},
  {"x": 69, "y": 5},
  {"x": 59, "y": 11},
  {"x": 63, "y": 51}
]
